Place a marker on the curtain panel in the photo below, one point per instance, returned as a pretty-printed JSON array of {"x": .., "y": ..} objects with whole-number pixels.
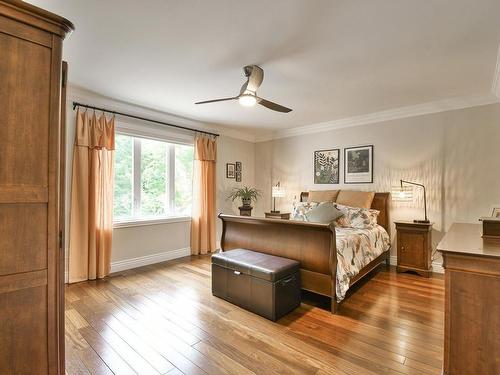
[
  {"x": 203, "y": 216},
  {"x": 91, "y": 217}
]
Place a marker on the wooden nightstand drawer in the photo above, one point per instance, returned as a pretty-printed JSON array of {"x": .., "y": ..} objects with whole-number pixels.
[{"x": 414, "y": 249}]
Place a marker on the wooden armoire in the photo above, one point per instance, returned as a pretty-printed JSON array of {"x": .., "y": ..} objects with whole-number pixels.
[{"x": 31, "y": 195}]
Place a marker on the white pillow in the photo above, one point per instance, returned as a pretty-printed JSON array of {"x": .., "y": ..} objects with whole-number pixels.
[
  {"x": 300, "y": 209},
  {"x": 325, "y": 213}
]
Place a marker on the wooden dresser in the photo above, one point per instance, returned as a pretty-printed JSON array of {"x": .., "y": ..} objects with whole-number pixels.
[
  {"x": 31, "y": 254},
  {"x": 472, "y": 301}
]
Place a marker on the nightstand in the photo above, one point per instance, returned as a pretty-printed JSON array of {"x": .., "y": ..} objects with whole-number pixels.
[
  {"x": 245, "y": 210},
  {"x": 278, "y": 215},
  {"x": 414, "y": 243}
]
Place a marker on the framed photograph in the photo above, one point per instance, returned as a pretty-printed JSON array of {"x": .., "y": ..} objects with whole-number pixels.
[
  {"x": 326, "y": 166},
  {"x": 238, "y": 176},
  {"x": 230, "y": 170},
  {"x": 358, "y": 165},
  {"x": 238, "y": 166},
  {"x": 495, "y": 211}
]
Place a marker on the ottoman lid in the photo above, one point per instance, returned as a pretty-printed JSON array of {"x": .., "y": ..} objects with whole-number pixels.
[{"x": 259, "y": 265}]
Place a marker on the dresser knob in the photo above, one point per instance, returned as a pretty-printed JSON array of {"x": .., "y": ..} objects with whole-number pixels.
[{"x": 402, "y": 248}]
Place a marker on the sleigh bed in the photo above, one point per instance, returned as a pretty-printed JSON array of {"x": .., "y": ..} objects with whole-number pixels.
[{"x": 314, "y": 245}]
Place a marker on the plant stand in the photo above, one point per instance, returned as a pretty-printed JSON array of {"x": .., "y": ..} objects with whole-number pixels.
[{"x": 245, "y": 210}]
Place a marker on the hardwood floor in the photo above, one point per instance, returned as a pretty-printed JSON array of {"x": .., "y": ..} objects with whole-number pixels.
[{"x": 163, "y": 319}]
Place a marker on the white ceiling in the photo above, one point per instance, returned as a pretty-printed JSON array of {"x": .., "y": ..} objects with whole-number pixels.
[{"x": 327, "y": 60}]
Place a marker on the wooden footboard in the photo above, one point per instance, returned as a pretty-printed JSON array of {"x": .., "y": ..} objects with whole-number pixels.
[{"x": 312, "y": 244}]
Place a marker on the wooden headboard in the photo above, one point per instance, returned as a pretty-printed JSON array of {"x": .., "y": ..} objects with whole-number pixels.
[{"x": 380, "y": 203}]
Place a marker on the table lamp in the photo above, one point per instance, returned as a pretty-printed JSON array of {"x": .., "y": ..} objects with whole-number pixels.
[
  {"x": 405, "y": 194},
  {"x": 277, "y": 192}
]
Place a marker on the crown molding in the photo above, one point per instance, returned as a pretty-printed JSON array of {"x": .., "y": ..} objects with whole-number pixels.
[
  {"x": 76, "y": 93},
  {"x": 79, "y": 94},
  {"x": 495, "y": 87},
  {"x": 388, "y": 115}
]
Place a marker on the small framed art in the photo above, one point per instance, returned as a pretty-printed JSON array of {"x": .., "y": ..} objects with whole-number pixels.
[
  {"x": 326, "y": 166},
  {"x": 238, "y": 166},
  {"x": 358, "y": 165},
  {"x": 230, "y": 170},
  {"x": 495, "y": 212}
]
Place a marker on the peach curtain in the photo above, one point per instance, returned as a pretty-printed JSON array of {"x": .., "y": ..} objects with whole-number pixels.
[
  {"x": 203, "y": 217},
  {"x": 91, "y": 217}
]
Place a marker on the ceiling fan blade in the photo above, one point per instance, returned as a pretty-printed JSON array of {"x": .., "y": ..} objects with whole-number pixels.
[
  {"x": 255, "y": 76},
  {"x": 273, "y": 106},
  {"x": 244, "y": 87},
  {"x": 217, "y": 100}
]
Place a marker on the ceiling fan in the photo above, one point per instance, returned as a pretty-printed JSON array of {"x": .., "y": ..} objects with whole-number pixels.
[{"x": 248, "y": 92}]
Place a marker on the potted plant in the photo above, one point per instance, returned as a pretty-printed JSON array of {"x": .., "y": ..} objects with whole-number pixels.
[{"x": 247, "y": 195}]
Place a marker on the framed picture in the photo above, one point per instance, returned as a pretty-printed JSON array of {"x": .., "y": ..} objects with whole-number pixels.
[
  {"x": 238, "y": 176},
  {"x": 238, "y": 166},
  {"x": 358, "y": 165},
  {"x": 326, "y": 166},
  {"x": 230, "y": 170},
  {"x": 495, "y": 212}
]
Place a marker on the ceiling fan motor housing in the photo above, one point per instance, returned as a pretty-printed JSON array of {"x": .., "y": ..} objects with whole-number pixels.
[{"x": 247, "y": 70}]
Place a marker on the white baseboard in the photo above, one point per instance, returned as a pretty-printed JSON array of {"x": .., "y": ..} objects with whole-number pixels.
[
  {"x": 146, "y": 260},
  {"x": 437, "y": 267}
]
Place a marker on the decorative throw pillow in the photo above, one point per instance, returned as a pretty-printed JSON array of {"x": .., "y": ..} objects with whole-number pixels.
[
  {"x": 360, "y": 218},
  {"x": 351, "y": 198},
  {"x": 300, "y": 209},
  {"x": 324, "y": 213},
  {"x": 322, "y": 195}
]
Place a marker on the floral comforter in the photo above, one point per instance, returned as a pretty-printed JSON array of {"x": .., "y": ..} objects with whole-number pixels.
[{"x": 355, "y": 249}]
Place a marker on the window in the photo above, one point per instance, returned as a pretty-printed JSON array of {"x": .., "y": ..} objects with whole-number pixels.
[{"x": 153, "y": 179}]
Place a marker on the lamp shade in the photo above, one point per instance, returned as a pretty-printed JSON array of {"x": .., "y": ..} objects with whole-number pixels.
[
  {"x": 278, "y": 192},
  {"x": 402, "y": 193}
]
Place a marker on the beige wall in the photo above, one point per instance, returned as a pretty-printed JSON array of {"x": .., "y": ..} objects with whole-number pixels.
[
  {"x": 230, "y": 150},
  {"x": 456, "y": 154}
]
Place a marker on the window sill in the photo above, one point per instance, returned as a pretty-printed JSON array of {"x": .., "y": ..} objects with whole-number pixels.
[{"x": 140, "y": 223}]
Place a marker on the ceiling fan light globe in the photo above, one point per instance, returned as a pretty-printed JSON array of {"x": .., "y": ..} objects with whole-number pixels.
[{"x": 247, "y": 100}]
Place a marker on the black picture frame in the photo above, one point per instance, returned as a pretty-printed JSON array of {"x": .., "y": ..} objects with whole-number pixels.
[
  {"x": 364, "y": 175},
  {"x": 230, "y": 170},
  {"x": 238, "y": 176},
  {"x": 326, "y": 169},
  {"x": 238, "y": 166}
]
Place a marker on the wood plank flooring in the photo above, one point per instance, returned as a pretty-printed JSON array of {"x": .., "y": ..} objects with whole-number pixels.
[{"x": 163, "y": 319}]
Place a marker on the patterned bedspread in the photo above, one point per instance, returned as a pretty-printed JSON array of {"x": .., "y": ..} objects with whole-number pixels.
[{"x": 355, "y": 249}]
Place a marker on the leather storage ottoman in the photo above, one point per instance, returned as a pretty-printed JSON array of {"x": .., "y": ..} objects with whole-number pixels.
[{"x": 264, "y": 284}]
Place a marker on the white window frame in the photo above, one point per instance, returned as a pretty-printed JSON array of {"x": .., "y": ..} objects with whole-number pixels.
[{"x": 138, "y": 132}]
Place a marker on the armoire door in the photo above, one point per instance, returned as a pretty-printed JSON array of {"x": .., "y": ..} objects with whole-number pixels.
[{"x": 30, "y": 158}]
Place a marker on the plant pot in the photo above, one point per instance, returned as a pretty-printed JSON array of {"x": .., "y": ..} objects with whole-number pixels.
[{"x": 246, "y": 202}]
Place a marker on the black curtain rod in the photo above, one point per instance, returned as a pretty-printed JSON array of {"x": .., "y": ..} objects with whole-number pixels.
[{"x": 76, "y": 104}]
